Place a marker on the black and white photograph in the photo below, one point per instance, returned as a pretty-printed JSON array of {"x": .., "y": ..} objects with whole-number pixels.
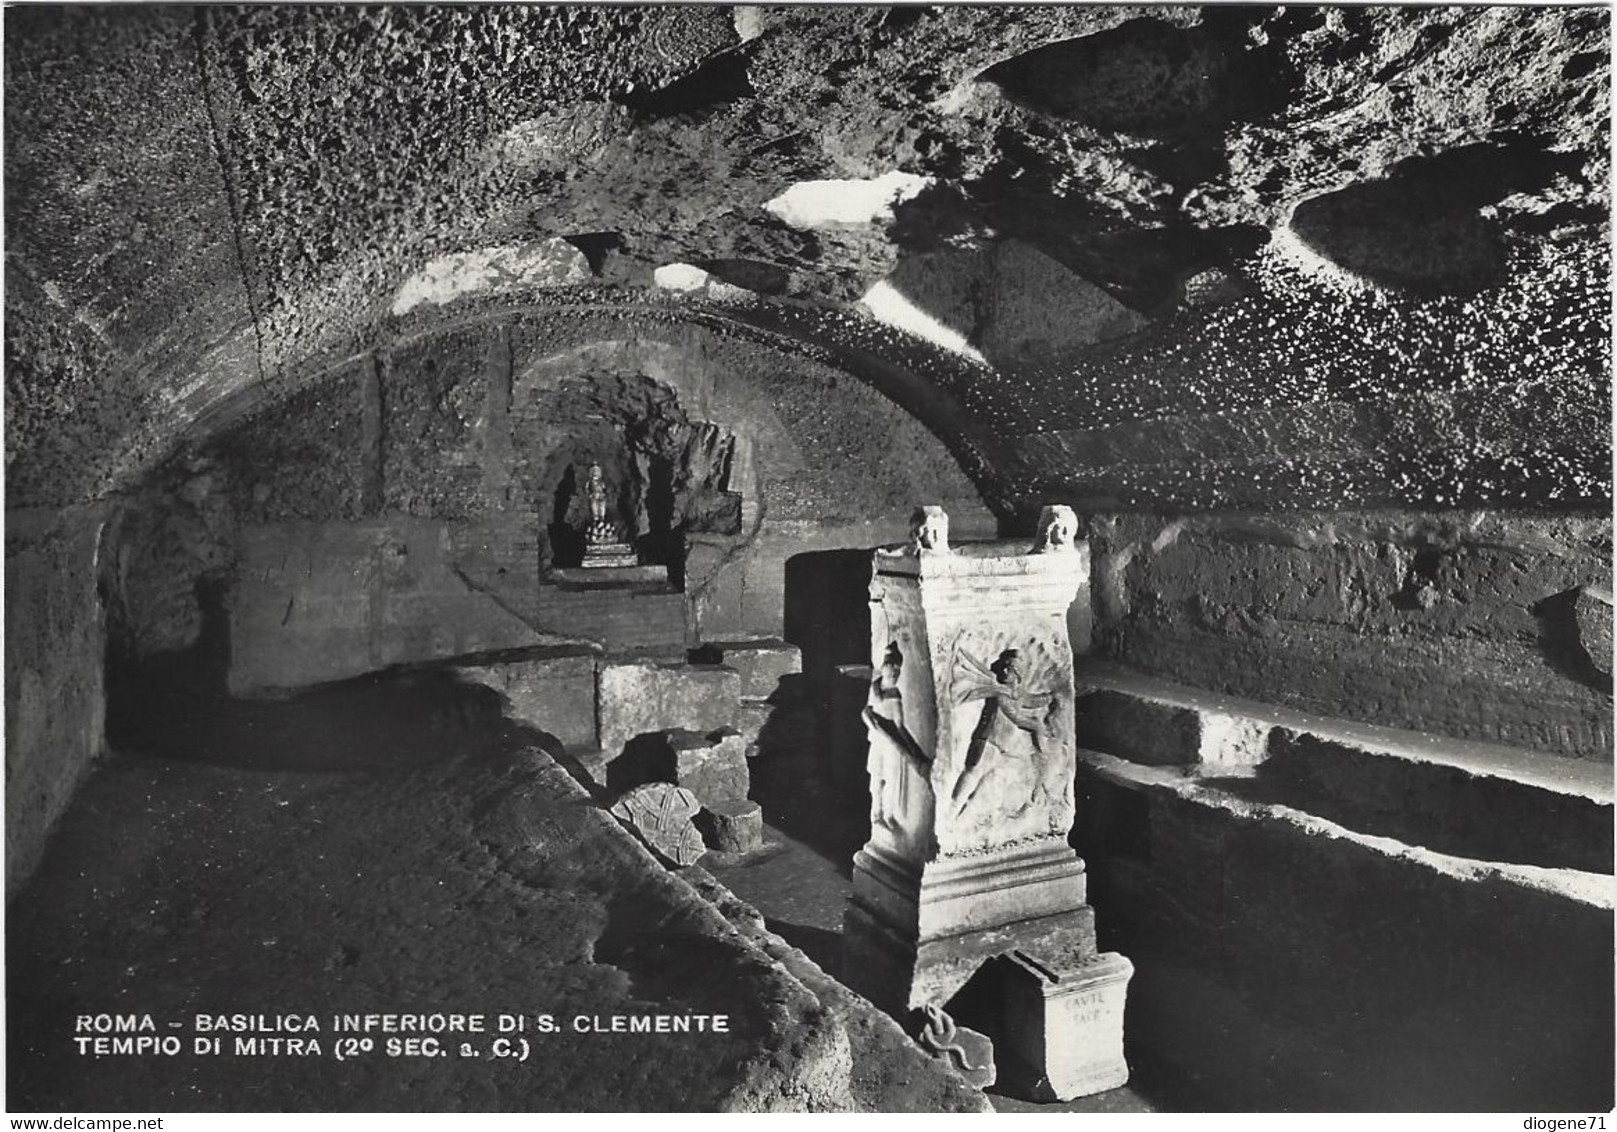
[{"x": 841, "y": 558}]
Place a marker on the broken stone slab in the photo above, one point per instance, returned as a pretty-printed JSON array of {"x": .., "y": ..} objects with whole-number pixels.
[
  {"x": 885, "y": 964},
  {"x": 1159, "y": 733},
  {"x": 1062, "y": 1036},
  {"x": 555, "y": 694},
  {"x": 767, "y": 666},
  {"x": 713, "y": 767},
  {"x": 644, "y": 697},
  {"x": 735, "y": 826},
  {"x": 1232, "y": 746},
  {"x": 661, "y": 814}
]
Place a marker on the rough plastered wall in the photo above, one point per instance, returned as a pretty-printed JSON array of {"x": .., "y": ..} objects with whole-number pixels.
[
  {"x": 1487, "y": 626},
  {"x": 1387, "y": 503},
  {"x": 55, "y": 700},
  {"x": 1405, "y": 523},
  {"x": 397, "y": 510}
]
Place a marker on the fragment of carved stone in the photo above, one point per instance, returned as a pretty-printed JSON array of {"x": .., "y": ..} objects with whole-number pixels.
[
  {"x": 967, "y": 1051},
  {"x": 661, "y": 813},
  {"x": 1058, "y": 530},
  {"x": 929, "y": 530}
]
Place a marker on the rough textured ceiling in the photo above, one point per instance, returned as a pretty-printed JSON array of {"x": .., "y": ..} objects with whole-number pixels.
[{"x": 1174, "y": 256}]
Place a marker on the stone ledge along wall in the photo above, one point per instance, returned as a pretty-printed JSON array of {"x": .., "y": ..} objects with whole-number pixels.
[
  {"x": 55, "y": 694},
  {"x": 1475, "y": 625},
  {"x": 397, "y": 510},
  {"x": 1287, "y": 964}
]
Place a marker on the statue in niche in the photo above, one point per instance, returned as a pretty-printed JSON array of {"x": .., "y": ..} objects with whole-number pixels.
[
  {"x": 604, "y": 544},
  {"x": 1010, "y": 730},
  {"x": 884, "y": 712},
  {"x": 1058, "y": 530},
  {"x": 601, "y": 528},
  {"x": 595, "y": 492},
  {"x": 929, "y": 530}
]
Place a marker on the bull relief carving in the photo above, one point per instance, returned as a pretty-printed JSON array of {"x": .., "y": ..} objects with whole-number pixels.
[{"x": 1005, "y": 757}]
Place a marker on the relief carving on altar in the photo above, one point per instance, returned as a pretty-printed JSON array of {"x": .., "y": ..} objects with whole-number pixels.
[
  {"x": 900, "y": 765},
  {"x": 1014, "y": 758}
]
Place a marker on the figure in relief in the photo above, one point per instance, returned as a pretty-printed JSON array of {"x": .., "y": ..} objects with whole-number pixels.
[
  {"x": 939, "y": 1037},
  {"x": 1011, "y": 728},
  {"x": 884, "y": 713}
]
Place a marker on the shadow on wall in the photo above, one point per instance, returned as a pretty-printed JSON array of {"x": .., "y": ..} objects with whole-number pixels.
[
  {"x": 1421, "y": 228},
  {"x": 566, "y": 541},
  {"x": 827, "y": 616},
  {"x": 645, "y": 758},
  {"x": 175, "y": 705},
  {"x": 827, "y": 611}
]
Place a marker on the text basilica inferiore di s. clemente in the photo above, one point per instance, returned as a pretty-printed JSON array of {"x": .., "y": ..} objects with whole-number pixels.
[{"x": 405, "y": 1034}]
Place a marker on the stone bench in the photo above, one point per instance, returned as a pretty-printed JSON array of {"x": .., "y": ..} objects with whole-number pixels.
[
  {"x": 1307, "y": 965},
  {"x": 1472, "y": 799}
]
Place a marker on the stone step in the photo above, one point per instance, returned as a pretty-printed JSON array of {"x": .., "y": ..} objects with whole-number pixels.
[{"x": 1473, "y": 800}]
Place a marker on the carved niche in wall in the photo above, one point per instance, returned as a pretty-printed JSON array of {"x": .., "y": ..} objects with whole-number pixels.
[{"x": 665, "y": 473}]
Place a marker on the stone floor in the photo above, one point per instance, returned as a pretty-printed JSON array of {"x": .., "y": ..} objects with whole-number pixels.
[
  {"x": 449, "y": 866},
  {"x": 394, "y": 845}
]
